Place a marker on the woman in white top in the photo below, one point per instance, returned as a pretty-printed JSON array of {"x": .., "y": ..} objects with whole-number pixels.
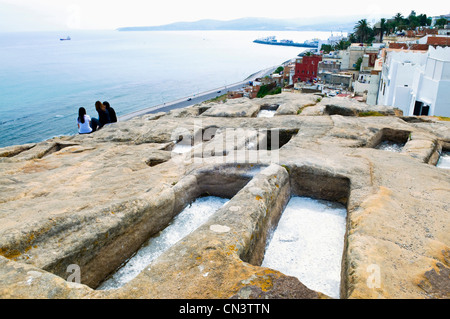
[{"x": 83, "y": 121}]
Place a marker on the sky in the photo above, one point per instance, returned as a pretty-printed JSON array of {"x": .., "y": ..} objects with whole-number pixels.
[{"x": 43, "y": 15}]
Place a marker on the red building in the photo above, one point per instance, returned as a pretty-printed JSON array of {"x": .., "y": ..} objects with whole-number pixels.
[{"x": 306, "y": 68}]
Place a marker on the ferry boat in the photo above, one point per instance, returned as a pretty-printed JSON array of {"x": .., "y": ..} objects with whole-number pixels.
[
  {"x": 273, "y": 41},
  {"x": 66, "y": 39}
]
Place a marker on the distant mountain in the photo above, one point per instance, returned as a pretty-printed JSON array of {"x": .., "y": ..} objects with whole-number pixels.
[{"x": 255, "y": 24}]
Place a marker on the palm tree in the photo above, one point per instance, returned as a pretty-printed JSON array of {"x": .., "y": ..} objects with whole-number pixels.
[
  {"x": 413, "y": 20},
  {"x": 389, "y": 26},
  {"x": 398, "y": 19},
  {"x": 423, "y": 20},
  {"x": 352, "y": 38},
  {"x": 342, "y": 45},
  {"x": 362, "y": 30}
]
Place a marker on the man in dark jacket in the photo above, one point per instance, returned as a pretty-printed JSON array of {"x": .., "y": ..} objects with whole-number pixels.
[
  {"x": 112, "y": 113},
  {"x": 103, "y": 117}
]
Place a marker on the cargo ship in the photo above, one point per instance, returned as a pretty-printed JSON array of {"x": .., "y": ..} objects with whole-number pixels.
[{"x": 273, "y": 41}]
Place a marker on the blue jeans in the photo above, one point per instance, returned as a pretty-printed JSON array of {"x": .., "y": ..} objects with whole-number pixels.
[{"x": 95, "y": 123}]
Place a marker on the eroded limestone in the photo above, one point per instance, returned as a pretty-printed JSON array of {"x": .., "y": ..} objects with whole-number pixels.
[{"x": 92, "y": 200}]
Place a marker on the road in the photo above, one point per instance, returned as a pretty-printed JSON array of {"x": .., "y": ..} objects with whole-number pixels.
[{"x": 198, "y": 98}]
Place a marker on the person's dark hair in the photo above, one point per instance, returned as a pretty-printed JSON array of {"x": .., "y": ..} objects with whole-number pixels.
[
  {"x": 112, "y": 113},
  {"x": 81, "y": 114}
]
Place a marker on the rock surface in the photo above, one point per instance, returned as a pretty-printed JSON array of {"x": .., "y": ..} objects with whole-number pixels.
[{"x": 88, "y": 202}]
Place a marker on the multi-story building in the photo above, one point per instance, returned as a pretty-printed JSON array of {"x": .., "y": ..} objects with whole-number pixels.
[
  {"x": 288, "y": 74},
  {"x": 342, "y": 79},
  {"x": 251, "y": 91},
  {"x": 306, "y": 68},
  {"x": 431, "y": 88},
  {"x": 416, "y": 81},
  {"x": 329, "y": 66},
  {"x": 356, "y": 51}
]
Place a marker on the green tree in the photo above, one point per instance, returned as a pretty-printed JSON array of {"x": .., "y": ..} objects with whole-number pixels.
[
  {"x": 398, "y": 18},
  {"x": 441, "y": 22},
  {"x": 383, "y": 28},
  {"x": 278, "y": 70},
  {"x": 358, "y": 64},
  {"x": 342, "y": 45},
  {"x": 363, "y": 30},
  {"x": 423, "y": 20},
  {"x": 352, "y": 38},
  {"x": 269, "y": 89},
  {"x": 413, "y": 20},
  {"x": 389, "y": 27},
  {"x": 326, "y": 48}
]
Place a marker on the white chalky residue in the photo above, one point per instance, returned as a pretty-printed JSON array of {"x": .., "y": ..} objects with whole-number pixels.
[
  {"x": 266, "y": 113},
  {"x": 182, "y": 225},
  {"x": 308, "y": 244},
  {"x": 390, "y": 146},
  {"x": 181, "y": 148},
  {"x": 254, "y": 171},
  {"x": 444, "y": 160}
]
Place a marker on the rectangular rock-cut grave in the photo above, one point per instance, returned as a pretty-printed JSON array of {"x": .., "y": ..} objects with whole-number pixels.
[
  {"x": 388, "y": 139},
  {"x": 195, "y": 204},
  {"x": 309, "y": 239}
]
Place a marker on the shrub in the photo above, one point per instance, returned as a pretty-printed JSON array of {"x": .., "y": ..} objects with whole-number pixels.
[
  {"x": 269, "y": 89},
  {"x": 278, "y": 70}
]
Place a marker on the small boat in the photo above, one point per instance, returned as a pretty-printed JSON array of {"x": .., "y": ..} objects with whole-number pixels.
[{"x": 66, "y": 39}]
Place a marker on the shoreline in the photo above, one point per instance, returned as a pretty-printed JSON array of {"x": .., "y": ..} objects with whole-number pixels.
[
  {"x": 197, "y": 98},
  {"x": 175, "y": 104}
]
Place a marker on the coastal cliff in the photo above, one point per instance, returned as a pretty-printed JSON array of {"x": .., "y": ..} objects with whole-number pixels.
[{"x": 93, "y": 200}]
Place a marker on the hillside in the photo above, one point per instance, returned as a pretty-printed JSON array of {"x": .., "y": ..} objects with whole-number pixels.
[{"x": 252, "y": 24}]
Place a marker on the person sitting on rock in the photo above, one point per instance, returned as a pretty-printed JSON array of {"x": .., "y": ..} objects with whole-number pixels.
[
  {"x": 112, "y": 113},
  {"x": 83, "y": 121},
  {"x": 103, "y": 117}
]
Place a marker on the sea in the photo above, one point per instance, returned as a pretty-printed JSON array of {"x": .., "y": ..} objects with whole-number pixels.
[{"x": 44, "y": 81}]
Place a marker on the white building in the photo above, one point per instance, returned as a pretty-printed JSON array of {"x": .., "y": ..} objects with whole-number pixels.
[
  {"x": 335, "y": 39},
  {"x": 367, "y": 84},
  {"x": 417, "y": 82},
  {"x": 435, "y": 18},
  {"x": 431, "y": 88}
]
